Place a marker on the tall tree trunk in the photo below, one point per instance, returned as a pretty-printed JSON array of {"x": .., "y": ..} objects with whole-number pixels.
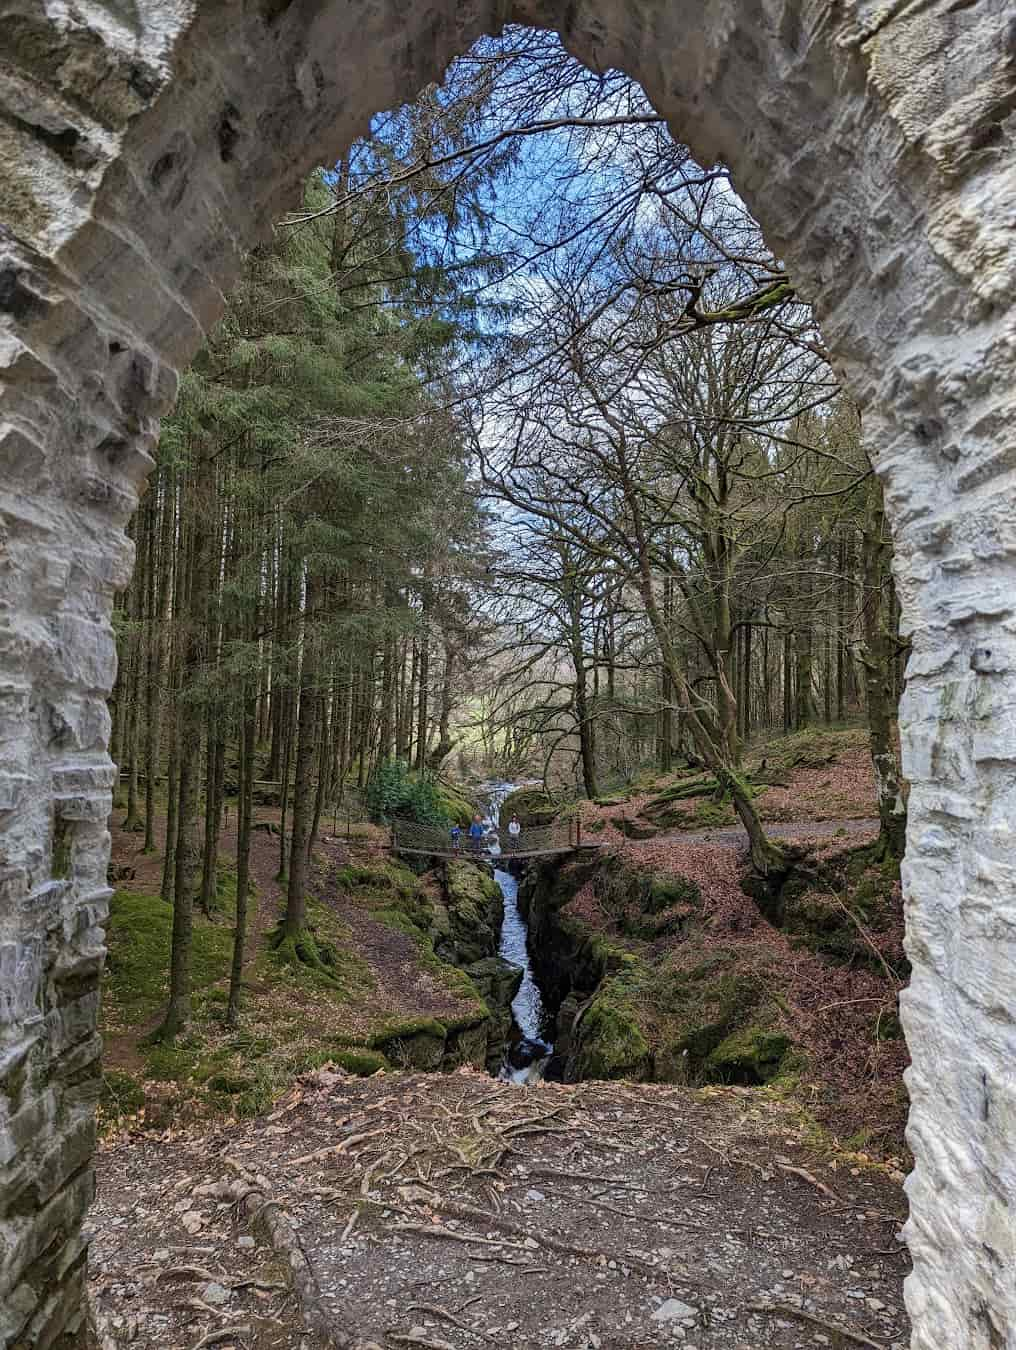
[
  {"x": 445, "y": 743},
  {"x": 423, "y": 714},
  {"x": 303, "y": 786},
  {"x": 287, "y": 742},
  {"x": 243, "y": 832},
  {"x": 181, "y": 581},
  {"x": 766, "y": 856},
  {"x": 133, "y": 686},
  {"x": 745, "y": 699},
  {"x": 214, "y": 779},
  {"x": 804, "y": 704},
  {"x": 158, "y": 655},
  {"x": 326, "y": 717},
  {"x": 583, "y": 712},
  {"x": 191, "y": 718},
  {"x": 666, "y": 716},
  {"x": 841, "y": 630},
  {"x": 788, "y": 683}
]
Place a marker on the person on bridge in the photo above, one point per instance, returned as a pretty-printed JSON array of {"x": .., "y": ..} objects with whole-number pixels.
[
  {"x": 456, "y": 833},
  {"x": 514, "y": 830},
  {"x": 476, "y": 833}
]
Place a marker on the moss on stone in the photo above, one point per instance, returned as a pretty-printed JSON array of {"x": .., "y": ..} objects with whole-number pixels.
[
  {"x": 751, "y": 1055},
  {"x": 363, "y": 1063},
  {"x": 667, "y": 889},
  {"x": 390, "y": 891},
  {"x": 415, "y": 1043},
  {"x": 454, "y": 803},
  {"x": 532, "y": 805},
  {"x": 610, "y": 1042}
]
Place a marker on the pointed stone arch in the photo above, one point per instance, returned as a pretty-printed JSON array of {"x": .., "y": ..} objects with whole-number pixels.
[{"x": 144, "y": 145}]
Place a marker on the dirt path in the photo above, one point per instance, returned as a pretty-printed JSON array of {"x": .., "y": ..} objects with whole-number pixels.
[
  {"x": 794, "y": 829},
  {"x": 456, "y": 1211}
]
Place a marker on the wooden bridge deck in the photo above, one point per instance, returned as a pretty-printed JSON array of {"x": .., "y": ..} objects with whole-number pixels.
[
  {"x": 542, "y": 841},
  {"x": 485, "y": 855}
]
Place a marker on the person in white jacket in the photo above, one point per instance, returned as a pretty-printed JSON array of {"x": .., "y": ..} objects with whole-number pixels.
[{"x": 514, "y": 830}]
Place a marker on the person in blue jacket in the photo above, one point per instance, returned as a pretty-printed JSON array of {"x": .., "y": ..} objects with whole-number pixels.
[
  {"x": 456, "y": 833},
  {"x": 476, "y": 833}
]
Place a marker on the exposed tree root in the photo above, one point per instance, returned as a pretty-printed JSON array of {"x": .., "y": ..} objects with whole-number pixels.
[
  {"x": 250, "y": 1194},
  {"x": 302, "y": 949},
  {"x": 837, "y": 1328}
]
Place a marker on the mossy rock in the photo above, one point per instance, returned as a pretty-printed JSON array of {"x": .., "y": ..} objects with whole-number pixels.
[
  {"x": 464, "y": 927},
  {"x": 362, "y": 1063},
  {"x": 702, "y": 786},
  {"x": 669, "y": 889},
  {"x": 532, "y": 805},
  {"x": 671, "y": 818},
  {"x": 418, "y": 1043},
  {"x": 749, "y": 1056},
  {"x": 496, "y": 980},
  {"x": 609, "y": 1042},
  {"x": 595, "y": 826},
  {"x": 653, "y": 927},
  {"x": 709, "y": 815},
  {"x": 390, "y": 887},
  {"x": 609, "y": 801},
  {"x": 455, "y": 804},
  {"x": 468, "y": 1045}
]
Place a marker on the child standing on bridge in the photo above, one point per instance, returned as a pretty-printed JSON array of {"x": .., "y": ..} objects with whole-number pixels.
[{"x": 514, "y": 830}]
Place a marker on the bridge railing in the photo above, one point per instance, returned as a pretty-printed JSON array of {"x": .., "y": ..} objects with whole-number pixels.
[{"x": 410, "y": 836}]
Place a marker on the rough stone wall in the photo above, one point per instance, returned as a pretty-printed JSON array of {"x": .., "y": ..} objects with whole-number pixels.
[{"x": 144, "y": 144}]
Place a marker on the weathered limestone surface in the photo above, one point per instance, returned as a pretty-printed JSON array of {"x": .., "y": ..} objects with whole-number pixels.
[{"x": 143, "y": 146}]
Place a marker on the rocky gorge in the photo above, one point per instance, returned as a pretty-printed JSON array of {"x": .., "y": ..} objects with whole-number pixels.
[{"x": 666, "y": 970}]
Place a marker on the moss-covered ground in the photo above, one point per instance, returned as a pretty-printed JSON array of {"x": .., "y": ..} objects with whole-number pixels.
[{"x": 374, "y": 993}]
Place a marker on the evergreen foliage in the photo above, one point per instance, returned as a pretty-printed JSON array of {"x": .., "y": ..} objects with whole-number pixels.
[{"x": 393, "y": 792}]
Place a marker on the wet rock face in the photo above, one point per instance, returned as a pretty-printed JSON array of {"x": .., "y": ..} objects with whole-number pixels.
[{"x": 138, "y": 160}]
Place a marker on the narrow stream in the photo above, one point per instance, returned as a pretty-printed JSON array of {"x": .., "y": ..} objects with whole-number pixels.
[{"x": 526, "y": 1055}]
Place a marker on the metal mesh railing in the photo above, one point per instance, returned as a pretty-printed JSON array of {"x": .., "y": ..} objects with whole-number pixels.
[{"x": 408, "y": 836}]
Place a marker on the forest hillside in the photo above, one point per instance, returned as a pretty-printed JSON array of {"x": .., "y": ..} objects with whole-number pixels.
[{"x": 506, "y": 932}]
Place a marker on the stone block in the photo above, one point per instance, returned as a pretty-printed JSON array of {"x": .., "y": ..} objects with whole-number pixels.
[
  {"x": 12, "y": 789},
  {"x": 20, "y": 975},
  {"x": 87, "y": 653},
  {"x": 84, "y": 776},
  {"x": 20, "y": 1130},
  {"x": 67, "y": 1155},
  {"x": 91, "y": 807},
  {"x": 72, "y": 1021}
]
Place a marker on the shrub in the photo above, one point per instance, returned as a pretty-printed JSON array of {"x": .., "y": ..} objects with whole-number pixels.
[{"x": 394, "y": 791}]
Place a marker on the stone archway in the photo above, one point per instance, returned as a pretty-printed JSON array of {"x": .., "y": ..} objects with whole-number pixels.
[{"x": 143, "y": 145}]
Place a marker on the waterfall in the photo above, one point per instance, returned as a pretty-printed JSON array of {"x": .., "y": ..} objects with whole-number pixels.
[{"x": 524, "y": 1058}]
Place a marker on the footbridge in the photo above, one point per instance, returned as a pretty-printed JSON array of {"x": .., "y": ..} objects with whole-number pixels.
[{"x": 538, "y": 841}]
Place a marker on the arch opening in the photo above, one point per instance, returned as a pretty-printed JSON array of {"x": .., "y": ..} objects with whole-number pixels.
[{"x": 140, "y": 158}]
